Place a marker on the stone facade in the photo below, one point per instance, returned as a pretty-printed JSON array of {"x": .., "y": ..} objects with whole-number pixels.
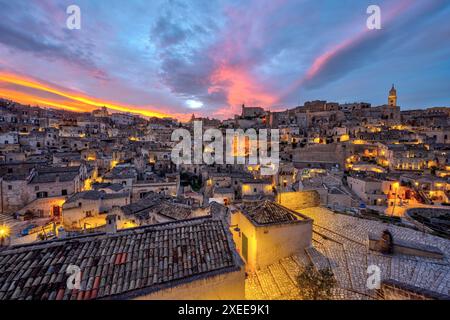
[
  {"x": 225, "y": 286},
  {"x": 299, "y": 200}
]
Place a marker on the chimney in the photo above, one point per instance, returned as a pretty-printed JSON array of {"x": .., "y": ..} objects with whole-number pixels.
[{"x": 111, "y": 223}]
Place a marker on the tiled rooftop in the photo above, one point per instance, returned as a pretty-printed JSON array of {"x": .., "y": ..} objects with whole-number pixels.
[
  {"x": 122, "y": 265},
  {"x": 54, "y": 177},
  {"x": 95, "y": 195},
  {"x": 159, "y": 204},
  {"x": 268, "y": 212},
  {"x": 121, "y": 173},
  {"x": 111, "y": 186}
]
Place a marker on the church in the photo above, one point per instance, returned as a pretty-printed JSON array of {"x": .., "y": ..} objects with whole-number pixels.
[
  {"x": 392, "y": 100},
  {"x": 389, "y": 113}
]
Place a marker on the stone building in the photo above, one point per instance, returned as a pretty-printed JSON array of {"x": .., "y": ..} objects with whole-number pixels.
[
  {"x": 23, "y": 187},
  {"x": 88, "y": 209},
  {"x": 369, "y": 189},
  {"x": 266, "y": 232},
  {"x": 257, "y": 189},
  {"x": 407, "y": 157}
]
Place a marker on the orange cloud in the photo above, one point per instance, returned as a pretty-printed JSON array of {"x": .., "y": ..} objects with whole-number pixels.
[
  {"x": 240, "y": 87},
  {"x": 75, "y": 101}
]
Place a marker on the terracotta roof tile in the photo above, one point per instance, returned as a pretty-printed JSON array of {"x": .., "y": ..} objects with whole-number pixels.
[
  {"x": 268, "y": 212},
  {"x": 126, "y": 263}
]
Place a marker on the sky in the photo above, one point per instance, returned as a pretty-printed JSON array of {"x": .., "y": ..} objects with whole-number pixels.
[{"x": 178, "y": 57}]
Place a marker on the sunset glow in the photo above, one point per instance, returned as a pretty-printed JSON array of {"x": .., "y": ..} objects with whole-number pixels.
[
  {"x": 77, "y": 102},
  {"x": 184, "y": 56}
]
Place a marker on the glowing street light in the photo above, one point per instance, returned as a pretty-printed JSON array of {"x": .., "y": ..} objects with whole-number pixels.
[{"x": 5, "y": 232}]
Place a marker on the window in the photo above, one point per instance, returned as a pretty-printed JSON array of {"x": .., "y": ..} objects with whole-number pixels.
[
  {"x": 64, "y": 192},
  {"x": 254, "y": 190},
  {"x": 41, "y": 195},
  {"x": 9, "y": 187}
]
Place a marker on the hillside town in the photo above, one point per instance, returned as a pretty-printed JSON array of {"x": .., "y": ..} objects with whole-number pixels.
[{"x": 358, "y": 188}]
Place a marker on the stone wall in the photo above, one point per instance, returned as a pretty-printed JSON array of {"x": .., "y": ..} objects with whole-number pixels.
[
  {"x": 225, "y": 286},
  {"x": 299, "y": 200},
  {"x": 403, "y": 247},
  {"x": 394, "y": 290},
  {"x": 321, "y": 153},
  {"x": 14, "y": 196},
  {"x": 280, "y": 241}
]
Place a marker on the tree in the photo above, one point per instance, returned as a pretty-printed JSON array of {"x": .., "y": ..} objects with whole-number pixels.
[
  {"x": 316, "y": 285},
  {"x": 433, "y": 170}
]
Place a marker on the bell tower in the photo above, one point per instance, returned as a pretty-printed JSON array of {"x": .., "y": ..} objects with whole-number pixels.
[{"x": 392, "y": 100}]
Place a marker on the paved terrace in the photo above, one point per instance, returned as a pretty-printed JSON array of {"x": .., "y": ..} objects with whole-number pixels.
[{"x": 341, "y": 242}]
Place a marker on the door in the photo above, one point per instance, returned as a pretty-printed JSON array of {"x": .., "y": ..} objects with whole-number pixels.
[
  {"x": 56, "y": 210},
  {"x": 244, "y": 247}
]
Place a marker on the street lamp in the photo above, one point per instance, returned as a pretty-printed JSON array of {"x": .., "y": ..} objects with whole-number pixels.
[{"x": 5, "y": 231}]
